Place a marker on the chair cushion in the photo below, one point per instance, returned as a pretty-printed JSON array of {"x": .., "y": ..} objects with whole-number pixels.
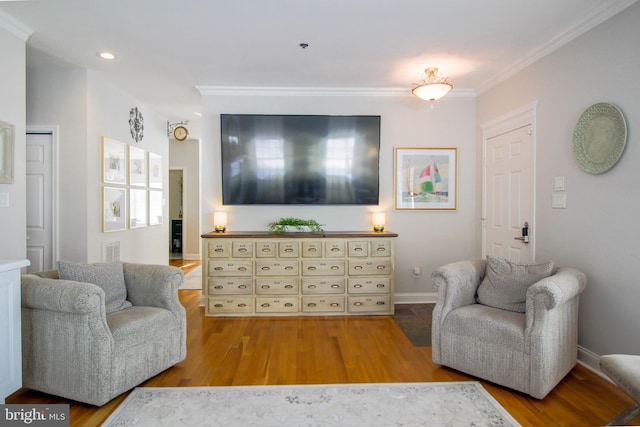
[
  {"x": 505, "y": 283},
  {"x": 109, "y": 276}
]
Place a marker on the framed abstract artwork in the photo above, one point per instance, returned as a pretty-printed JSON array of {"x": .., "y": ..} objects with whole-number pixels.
[
  {"x": 426, "y": 178},
  {"x": 155, "y": 170},
  {"x": 138, "y": 208},
  {"x": 114, "y": 209},
  {"x": 137, "y": 166},
  {"x": 114, "y": 161}
]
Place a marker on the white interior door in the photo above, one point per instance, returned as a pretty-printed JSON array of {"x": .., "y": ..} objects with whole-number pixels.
[
  {"x": 40, "y": 200},
  {"x": 508, "y": 195}
]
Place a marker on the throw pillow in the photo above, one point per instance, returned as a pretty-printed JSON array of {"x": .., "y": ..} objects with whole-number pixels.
[
  {"x": 505, "y": 283},
  {"x": 109, "y": 276}
]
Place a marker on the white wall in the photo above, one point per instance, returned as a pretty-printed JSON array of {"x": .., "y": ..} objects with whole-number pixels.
[
  {"x": 83, "y": 106},
  {"x": 427, "y": 239},
  {"x": 13, "y": 229},
  {"x": 185, "y": 155},
  {"x": 598, "y": 231}
]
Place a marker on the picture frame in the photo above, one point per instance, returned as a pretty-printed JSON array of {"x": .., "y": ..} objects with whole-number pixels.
[
  {"x": 114, "y": 161},
  {"x": 155, "y": 207},
  {"x": 138, "y": 208},
  {"x": 114, "y": 209},
  {"x": 155, "y": 170},
  {"x": 6, "y": 152},
  {"x": 137, "y": 167},
  {"x": 426, "y": 178}
]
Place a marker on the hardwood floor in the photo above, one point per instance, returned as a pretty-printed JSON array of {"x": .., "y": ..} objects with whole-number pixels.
[
  {"x": 324, "y": 350},
  {"x": 185, "y": 264}
]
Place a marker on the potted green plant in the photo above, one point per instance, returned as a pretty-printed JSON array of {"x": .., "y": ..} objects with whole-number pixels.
[{"x": 282, "y": 225}]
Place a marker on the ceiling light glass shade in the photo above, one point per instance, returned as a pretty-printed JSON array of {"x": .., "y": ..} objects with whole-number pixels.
[{"x": 433, "y": 86}]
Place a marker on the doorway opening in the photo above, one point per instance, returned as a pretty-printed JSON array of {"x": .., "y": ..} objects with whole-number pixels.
[{"x": 176, "y": 213}]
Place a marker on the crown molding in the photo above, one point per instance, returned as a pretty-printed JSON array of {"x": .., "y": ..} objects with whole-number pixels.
[
  {"x": 592, "y": 19},
  {"x": 317, "y": 91},
  {"x": 14, "y": 26}
]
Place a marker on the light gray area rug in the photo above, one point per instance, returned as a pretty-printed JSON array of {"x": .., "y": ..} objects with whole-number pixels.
[
  {"x": 193, "y": 279},
  {"x": 339, "y": 405}
]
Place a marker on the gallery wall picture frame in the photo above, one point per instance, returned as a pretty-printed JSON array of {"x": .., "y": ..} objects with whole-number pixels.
[
  {"x": 137, "y": 167},
  {"x": 426, "y": 178},
  {"x": 155, "y": 207},
  {"x": 114, "y": 209},
  {"x": 114, "y": 161},
  {"x": 138, "y": 208},
  {"x": 6, "y": 152},
  {"x": 155, "y": 170}
]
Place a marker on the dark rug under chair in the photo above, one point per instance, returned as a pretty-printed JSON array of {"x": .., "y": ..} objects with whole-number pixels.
[{"x": 415, "y": 322}]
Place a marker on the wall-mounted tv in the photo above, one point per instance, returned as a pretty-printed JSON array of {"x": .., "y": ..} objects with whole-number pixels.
[{"x": 300, "y": 159}]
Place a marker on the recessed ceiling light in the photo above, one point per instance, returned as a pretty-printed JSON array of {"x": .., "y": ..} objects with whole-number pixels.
[{"x": 106, "y": 55}]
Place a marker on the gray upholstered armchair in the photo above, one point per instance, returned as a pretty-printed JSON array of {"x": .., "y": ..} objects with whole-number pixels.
[
  {"x": 73, "y": 348},
  {"x": 529, "y": 351}
]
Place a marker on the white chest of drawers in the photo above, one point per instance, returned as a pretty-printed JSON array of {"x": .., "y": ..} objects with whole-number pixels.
[{"x": 262, "y": 274}]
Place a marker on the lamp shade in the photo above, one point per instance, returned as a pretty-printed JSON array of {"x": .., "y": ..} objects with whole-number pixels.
[
  {"x": 220, "y": 221},
  {"x": 377, "y": 220}
]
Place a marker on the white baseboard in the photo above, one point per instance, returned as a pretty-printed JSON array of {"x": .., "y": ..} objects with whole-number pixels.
[
  {"x": 415, "y": 297},
  {"x": 591, "y": 361}
]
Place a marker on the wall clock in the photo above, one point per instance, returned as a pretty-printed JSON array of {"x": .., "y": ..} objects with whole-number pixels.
[
  {"x": 136, "y": 124},
  {"x": 180, "y": 133}
]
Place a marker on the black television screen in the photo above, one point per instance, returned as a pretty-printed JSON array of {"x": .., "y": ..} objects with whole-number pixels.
[{"x": 300, "y": 159}]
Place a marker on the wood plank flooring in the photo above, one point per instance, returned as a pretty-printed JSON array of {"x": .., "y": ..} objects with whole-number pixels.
[{"x": 325, "y": 350}]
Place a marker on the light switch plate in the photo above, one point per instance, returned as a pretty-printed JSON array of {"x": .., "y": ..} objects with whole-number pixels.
[
  {"x": 558, "y": 183},
  {"x": 559, "y": 201}
]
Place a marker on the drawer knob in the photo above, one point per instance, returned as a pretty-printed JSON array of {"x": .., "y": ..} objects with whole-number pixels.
[
  {"x": 312, "y": 249},
  {"x": 288, "y": 304},
  {"x": 265, "y": 268},
  {"x": 335, "y": 286},
  {"x": 218, "y": 305},
  {"x": 334, "y": 304},
  {"x": 265, "y": 286},
  {"x": 381, "y": 267},
  {"x": 242, "y": 250},
  {"x": 357, "y": 286},
  {"x": 380, "y": 303},
  {"x": 335, "y": 249},
  {"x": 266, "y": 250},
  {"x": 242, "y": 268},
  {"x": 311, "y": 286},
  {"x": 288, "y": 287},
  {"x": 266, "y": 304},
  {"x": 311, "y": 304},
  {"x": 381, "y": 249},
  {"x": 358, "y": 249},
  {"x": 218, "y": 268},
  {"x": 380, "y": 285},
  {"x": 218, "y": 250},
  {"x": 357, "y": 267},
  {"x": 242, "y": 287},
  {"x": 218, "y": 287},
  {"x": 357, "y": 304},
  {"x": 288, "y": 267},
  {"x": 335, "y": 267},
  {"x": 242, "y": 305},
  {"x": 312, "y": 268},
  {"x": 288, "y": 250}
]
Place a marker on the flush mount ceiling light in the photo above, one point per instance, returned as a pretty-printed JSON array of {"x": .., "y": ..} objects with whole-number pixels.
[
  {"x": 433, "y": 86},
  {"x": 106, "y": 55}
]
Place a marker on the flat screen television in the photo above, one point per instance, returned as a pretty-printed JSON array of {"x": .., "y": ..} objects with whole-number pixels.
[{"x": 300, "y": 159}]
